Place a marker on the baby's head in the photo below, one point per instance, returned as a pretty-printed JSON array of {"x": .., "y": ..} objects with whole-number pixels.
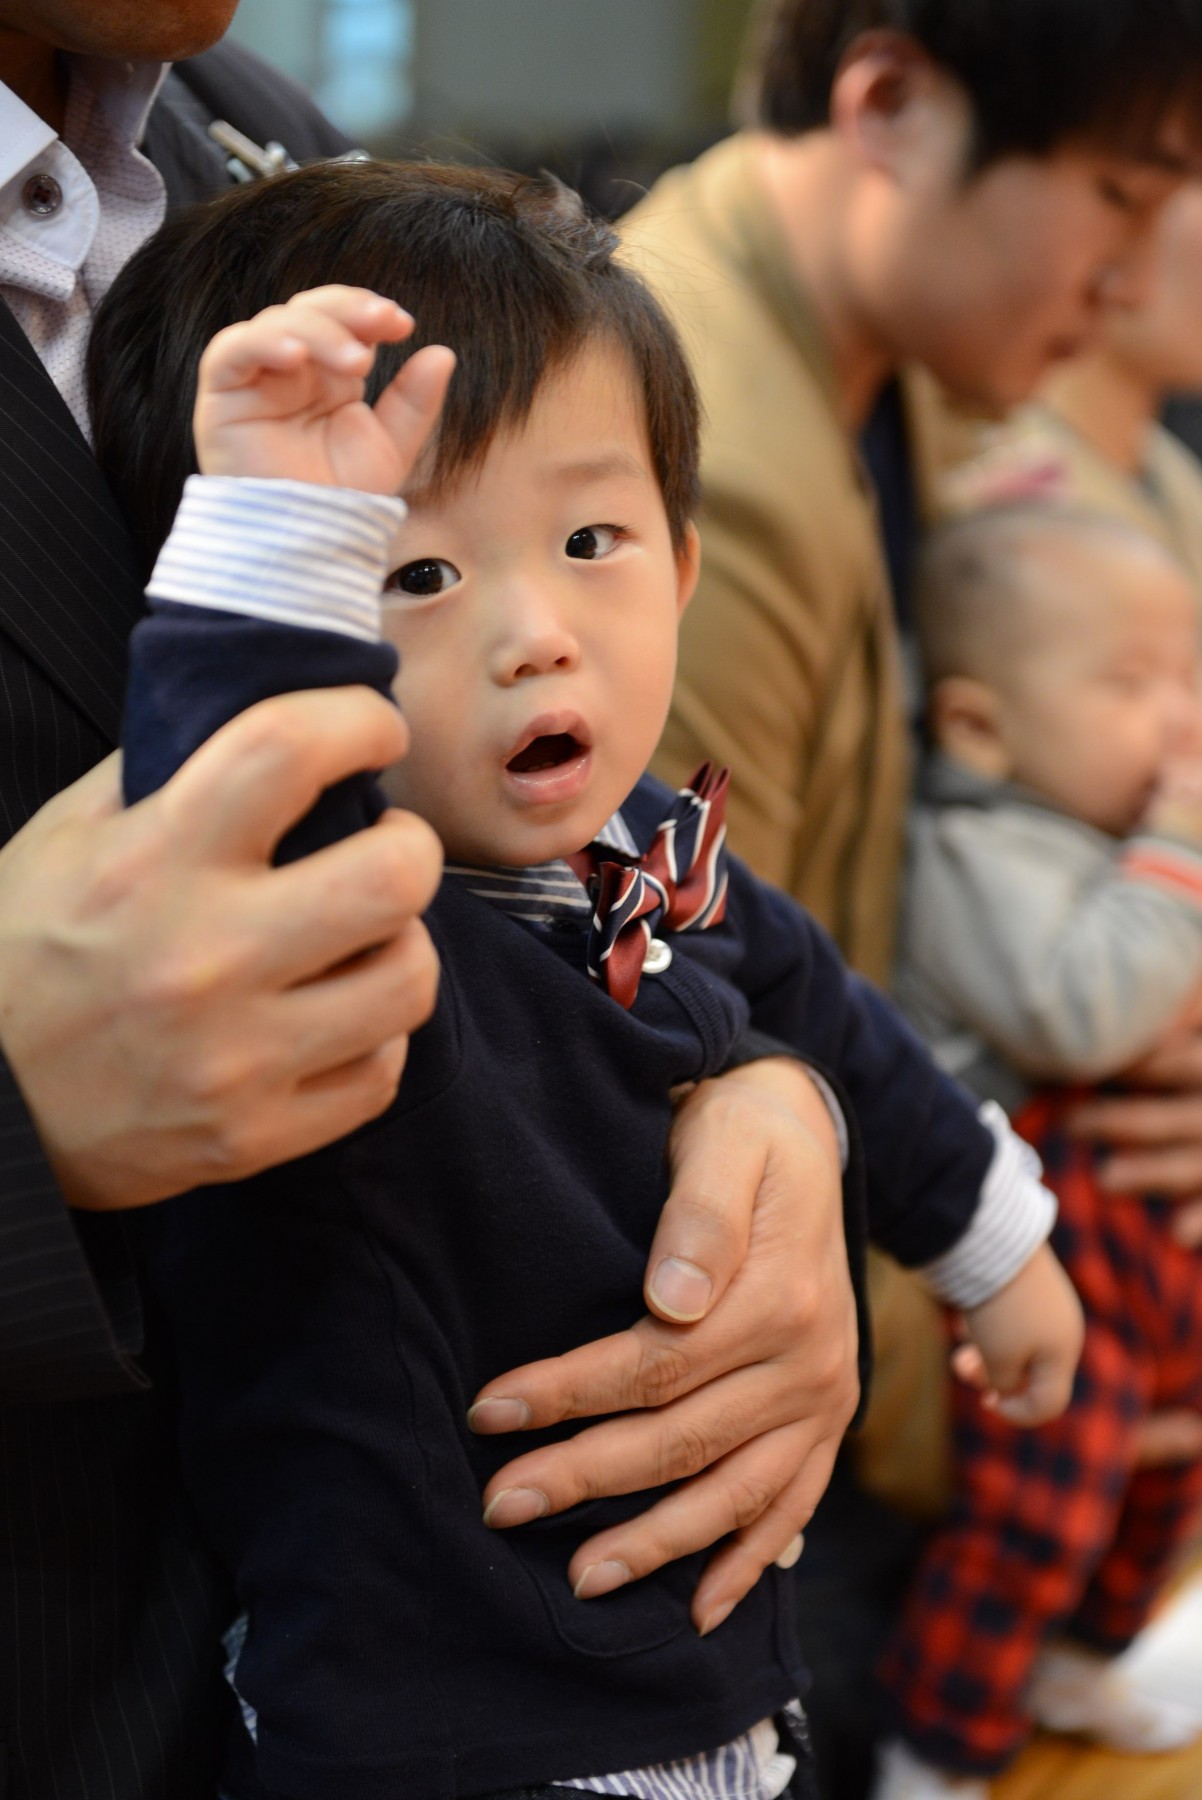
[
  {"x": 1061, "y": 653},
  {"x": 549, "y": 548}
]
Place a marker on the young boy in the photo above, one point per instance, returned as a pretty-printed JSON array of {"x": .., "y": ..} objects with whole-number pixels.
[
  {"x": 1053, "y": 934},
  {"x": 598, "y": 950}
]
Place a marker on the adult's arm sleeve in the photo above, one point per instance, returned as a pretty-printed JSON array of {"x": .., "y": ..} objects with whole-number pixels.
[
  {"x": 1069, "y": 981},
  {"x": 70, "y": 1319}
]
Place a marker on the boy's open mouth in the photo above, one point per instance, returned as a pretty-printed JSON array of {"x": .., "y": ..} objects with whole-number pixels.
[{"x": 546, "y": 752}]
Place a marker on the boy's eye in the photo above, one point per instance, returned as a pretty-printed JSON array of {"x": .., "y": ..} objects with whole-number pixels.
[
  {"x": 592, "y": 541},
  {"x": 429, "y": 576}
]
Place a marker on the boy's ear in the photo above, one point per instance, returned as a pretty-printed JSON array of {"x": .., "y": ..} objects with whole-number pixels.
[
  {"x": 965, "y": 722},
  {"x": 688, "y": 567},
  {"x": 887, "y": 97}
]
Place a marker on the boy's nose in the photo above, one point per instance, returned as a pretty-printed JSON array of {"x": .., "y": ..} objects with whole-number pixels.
[{"x": 536, "y": 642}]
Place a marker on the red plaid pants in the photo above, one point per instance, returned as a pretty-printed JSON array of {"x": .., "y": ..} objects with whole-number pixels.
[{"x": 1056, "y": 1531}]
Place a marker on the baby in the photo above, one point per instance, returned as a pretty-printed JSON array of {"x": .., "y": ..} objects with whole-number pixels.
[
  {"x": 598, "y": 947},
  {"x": 1053, "y": 934}
]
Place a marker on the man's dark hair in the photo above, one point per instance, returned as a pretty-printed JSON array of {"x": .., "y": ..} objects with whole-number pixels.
[
  {"x": 509, "y": 270},
  {"x": 1038, "y": 72}
]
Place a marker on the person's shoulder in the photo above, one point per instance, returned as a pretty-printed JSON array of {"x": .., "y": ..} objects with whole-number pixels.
[
  {"x": 706, "y": 241},
  {"x": 683, "y": 205},
  {"x": 1174, "y": 466},
  {"x": 234, "y": 84},
  {"x": 1015, "y": 835}
]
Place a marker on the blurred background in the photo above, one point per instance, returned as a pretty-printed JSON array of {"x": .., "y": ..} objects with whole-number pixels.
[{"x": 606, "y": 93}]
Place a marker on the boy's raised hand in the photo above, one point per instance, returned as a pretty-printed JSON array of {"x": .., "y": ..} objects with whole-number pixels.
[
  {"x": 1025, "y": 1344},
  {"x": 281, "y": 395}
]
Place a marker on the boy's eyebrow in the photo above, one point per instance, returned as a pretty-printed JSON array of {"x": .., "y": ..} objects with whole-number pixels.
[
  {"x": 579, "y": 473},
  {"x": 598, "y": 468}
]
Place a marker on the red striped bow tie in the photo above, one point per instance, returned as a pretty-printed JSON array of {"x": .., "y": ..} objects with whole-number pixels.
[{"x": 679, "y": 884}]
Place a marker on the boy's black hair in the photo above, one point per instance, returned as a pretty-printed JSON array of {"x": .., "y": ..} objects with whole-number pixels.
[
  {"x": 1038, "y": 72},
  {"x": 508, "y": 270}
]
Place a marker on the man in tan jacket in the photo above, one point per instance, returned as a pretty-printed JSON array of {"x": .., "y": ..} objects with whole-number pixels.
[
  {"x": 884, "y": 211},
  {"x": 970, "y": 187}
]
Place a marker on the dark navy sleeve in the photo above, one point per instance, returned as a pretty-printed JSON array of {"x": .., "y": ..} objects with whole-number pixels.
[
  {"x": 194, "y": 668},
  {"x": 926, "y": 1152}
]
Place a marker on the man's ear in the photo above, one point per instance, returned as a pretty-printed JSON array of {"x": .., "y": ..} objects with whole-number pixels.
[
  {"x": 887, "y": 95},
  {"x": 688, "y": 567},
  {"x": 965, "y": 722}
]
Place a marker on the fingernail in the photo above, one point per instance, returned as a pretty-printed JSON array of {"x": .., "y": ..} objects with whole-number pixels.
[
  {"x": 350, "y": 354},
  {"x": 488, "y": 1416},
  {"x": 718, "y": 1617},
  {"x": 601, "y": 1578},
  {"x": 515, "y": 1506},
  {"x": 791, "y": 1552},
  {"x": 681, "y": 1290}
]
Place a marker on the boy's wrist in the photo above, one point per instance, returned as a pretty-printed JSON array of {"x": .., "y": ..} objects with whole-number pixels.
[
  {"x": 1014, "y": 1218},
  {"x": 286, "y": 551}
]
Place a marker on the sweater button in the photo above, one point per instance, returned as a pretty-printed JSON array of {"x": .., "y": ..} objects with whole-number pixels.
[{"x": 658, "y": 957}]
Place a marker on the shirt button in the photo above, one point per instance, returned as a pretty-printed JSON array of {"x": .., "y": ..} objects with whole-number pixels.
[
  {"x": 41, "y": 196},
  {"x": 658, "y": 957}
]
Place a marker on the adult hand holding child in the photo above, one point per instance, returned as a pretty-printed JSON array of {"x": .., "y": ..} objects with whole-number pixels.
[{"x": 246, "y": 1013}]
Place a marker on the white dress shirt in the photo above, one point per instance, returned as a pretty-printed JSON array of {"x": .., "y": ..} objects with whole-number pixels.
[{"x": 73, "y": 209}]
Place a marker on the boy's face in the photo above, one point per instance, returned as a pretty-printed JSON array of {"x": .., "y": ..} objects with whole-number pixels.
[
  {"x": 1106, "y": 692},
  {"x": 991, "y": 279},
  {"x": 535, "y": 611}
]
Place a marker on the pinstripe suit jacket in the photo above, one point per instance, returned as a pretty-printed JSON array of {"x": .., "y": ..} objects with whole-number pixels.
[{"x": 110, "y": 1687}]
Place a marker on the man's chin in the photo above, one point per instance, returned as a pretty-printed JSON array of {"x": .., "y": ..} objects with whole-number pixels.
[{"x": 134, "y": 30}]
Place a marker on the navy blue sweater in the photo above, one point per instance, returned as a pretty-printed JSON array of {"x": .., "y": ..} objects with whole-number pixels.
[{"x": 501, "y": 1210}]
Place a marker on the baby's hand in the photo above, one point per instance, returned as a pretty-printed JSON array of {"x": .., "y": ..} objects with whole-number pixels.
[
  {"x": 1175, "y": 809},
  {"x": 1025, "y": 1344},
  {"x": 281, "y": 395}
]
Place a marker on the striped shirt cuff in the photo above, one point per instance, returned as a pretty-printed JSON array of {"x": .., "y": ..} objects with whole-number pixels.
[
  {"x": 286, "y": 551},
  {"x": 1169, "y": 864},
  {"x": 1014, "y": 1217}
]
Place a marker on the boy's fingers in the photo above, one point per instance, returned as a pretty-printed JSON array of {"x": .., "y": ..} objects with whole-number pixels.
[
  {"x": 371, "y": 316},
  {"x": 1044, "y": 1396},
  {"x": 336, "y": 327},
  {"x": 410, "y": 404},
  {"x": 968, "y": 1365},
  {"x": 284, "y": 340}
]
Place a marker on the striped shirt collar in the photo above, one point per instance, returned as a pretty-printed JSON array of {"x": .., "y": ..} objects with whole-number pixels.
[{"x": 545, "y": 893}]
